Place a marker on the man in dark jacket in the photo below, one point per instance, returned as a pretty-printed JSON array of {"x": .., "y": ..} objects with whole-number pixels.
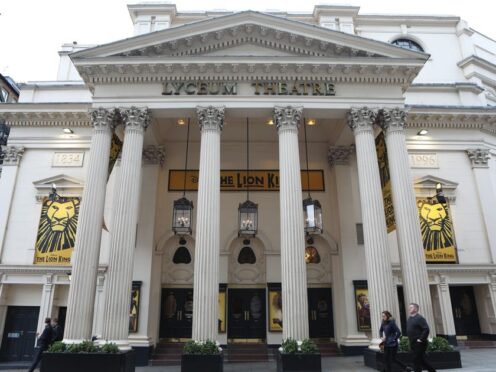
[
  {"x": 417, "y": 331},
  {"x": 58, "y": 332},
  {"x": 44, "y": 342}
]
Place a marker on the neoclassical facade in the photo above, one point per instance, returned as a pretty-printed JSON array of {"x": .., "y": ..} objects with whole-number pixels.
[{"x": 388, "y": 121}]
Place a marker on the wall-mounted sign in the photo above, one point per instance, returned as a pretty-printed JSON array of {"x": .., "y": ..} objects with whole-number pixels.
[
  {"x": 385, "y": 176},
  {"x": 362, "y": 305},
  {"x": 68, "y": 159},
  {"x": 57, "y": 231},
  {"x": 238, "y": 180},
  {"x": 423, "y": 160},
  {"x": 259, "y": 87},
  {"x": 438, "y": 235}
]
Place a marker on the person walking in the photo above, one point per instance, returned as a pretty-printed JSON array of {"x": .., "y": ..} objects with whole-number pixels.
[
  {"x": 390, "y": 334},
  {"x": 417, "y": 331},
  {"x": 44, "y": 342},
  {"x": 58, "y": 331}
]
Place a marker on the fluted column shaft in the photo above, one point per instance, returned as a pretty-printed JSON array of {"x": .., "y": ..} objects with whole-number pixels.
[
  {"x": 413, "y": 266},
  {"x": 123, "y": 230},
  {"x": 378, "y": 262},
  {"x": 487, "y": 193},
  {"x": 80, "y": 305},
  {"x": 206, "y": 267},
  {"x": 293, "y": 267}
]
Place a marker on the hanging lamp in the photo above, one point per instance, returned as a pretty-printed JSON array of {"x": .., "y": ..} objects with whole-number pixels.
[
  {"x": 182, "y": 215},
  {"x": 247, "y": 211},
  {"x": 312, "y": 210}
]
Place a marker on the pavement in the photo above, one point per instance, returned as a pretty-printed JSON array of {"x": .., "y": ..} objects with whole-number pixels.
[{"x": 473, "y": 360}]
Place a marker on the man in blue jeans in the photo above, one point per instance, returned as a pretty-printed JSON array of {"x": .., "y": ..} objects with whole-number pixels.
[
  {"x": 417, "y": 331},
  {"x": 44, "y": 342}
]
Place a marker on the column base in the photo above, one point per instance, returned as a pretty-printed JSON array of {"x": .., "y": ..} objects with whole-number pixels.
[
  {"x": 374, "y": 344},
  {"x": 123, "y": 345},
  {"x": 353, "y": 345}
]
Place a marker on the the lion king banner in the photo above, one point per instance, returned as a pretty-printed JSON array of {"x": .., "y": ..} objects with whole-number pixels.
[
  {"x": 382, "y": 158},
  {"x": 57, "y": 231},
  {"x": 437, "y": 231}
]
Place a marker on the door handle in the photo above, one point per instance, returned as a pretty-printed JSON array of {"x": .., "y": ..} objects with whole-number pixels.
[
  {"x": 179, "y": 315},
  {"x": 247, "y": 315}
]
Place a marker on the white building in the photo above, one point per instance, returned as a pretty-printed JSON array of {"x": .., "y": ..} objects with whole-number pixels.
[{"x": 348, "y": 73}]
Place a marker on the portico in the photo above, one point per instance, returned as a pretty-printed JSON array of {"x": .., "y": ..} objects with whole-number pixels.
[{"x": 246, "y": 65}]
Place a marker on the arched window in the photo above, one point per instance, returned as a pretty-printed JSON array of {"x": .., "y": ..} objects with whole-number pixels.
[
  {"x": 246, "y": 256},
  {"x": 408, "y": 44},
  {"x": 182, "y": 256}
]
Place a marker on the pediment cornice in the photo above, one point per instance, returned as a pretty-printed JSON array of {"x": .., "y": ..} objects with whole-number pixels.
[
  {"x": 248, "y": 23},
  {"x": 71, "y": 115},
  {"x": 283, "y": 50},
  {"x": 453, "y": 117}
]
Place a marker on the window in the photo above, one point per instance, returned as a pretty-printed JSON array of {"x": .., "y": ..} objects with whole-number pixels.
[
  {"x": 182, "y": 256},
  {"x": 408, "y": 44},
  {"x": 246, "y": 256}
]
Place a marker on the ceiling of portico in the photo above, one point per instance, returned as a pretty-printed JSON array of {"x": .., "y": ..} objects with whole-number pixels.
[{"x": 166, "y": 130}]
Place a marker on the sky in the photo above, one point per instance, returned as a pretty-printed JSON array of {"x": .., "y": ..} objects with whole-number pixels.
[{"x": 32, "y": 31}]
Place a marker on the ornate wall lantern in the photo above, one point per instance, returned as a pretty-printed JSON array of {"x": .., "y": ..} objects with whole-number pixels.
[
  {"x": 247, "y": 211},
  {"x": 182, "y": 215},
  {"x": 312, "y": 210}
]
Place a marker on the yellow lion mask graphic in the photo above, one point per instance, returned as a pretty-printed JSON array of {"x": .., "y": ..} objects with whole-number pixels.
[
  {"x": 58, "y": 223},
  {"x": 435, "y": 224}
]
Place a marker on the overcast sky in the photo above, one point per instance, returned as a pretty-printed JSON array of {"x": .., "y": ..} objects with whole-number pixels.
[{"x": 32, "y": 31}]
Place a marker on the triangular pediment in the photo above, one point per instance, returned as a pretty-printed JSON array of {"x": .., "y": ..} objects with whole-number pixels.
[
  {"x": 425, "y": 187},
  {"x": 228, "y": 33},
  {"x": 65, "y": 186}
]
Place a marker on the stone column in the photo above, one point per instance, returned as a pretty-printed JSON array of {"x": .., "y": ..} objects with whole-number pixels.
[
  {"x": 487, "y": 194},
  {"x": 293, "y": 267},
  {"x": 411, "y": 250},
  {"x": 492, "y": 295},
  {"x": 443, "y": 292},
  {"x": 11, "y": 159},
  {"x": 377, "y": 258},
  {"x": 99, "y": 306},
  {"x": 123, "y": 230},
  {"x": 80, "y": 305},
  {"x": 206, "y": 274},
  {"x": 346, "y": 331},
  {"x": 46, "y": 304}
]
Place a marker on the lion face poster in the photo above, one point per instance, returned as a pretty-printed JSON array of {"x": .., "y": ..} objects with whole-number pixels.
[
  {"x": 57, "y": 231},
  {"x": 437, "y": 231}
]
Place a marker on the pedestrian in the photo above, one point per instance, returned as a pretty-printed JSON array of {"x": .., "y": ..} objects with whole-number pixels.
[
  {"x": 390, "y": 334},
  {"x": 44, "y": 342},
  {"x": 417, "y": 330},
  {"x": 58, "y": 331}
]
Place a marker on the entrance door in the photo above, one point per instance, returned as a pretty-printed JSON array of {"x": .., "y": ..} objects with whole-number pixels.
[
  {"x": 465, "y": 311},
  {"x": 320, "y": 313},
  {"x": 246, "y": 314},
  {"x": 176, "y": 317},
  {"x": 19, "y": 333}
]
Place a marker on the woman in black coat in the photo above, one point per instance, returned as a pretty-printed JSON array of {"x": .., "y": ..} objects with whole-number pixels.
[{"x": 390, "y": 333}]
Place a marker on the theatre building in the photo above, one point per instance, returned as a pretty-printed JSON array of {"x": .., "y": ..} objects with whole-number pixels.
[{"x": 250, "y": 176}]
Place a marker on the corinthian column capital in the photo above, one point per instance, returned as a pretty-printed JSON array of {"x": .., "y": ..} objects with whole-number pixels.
[
  {"x": 287, "y": 117},
  {"x": 361, "y": 118},
  {"x": 479, "y": 157},
  {"x": 392, "y": 119},
  {"x": 11, "y": 154},
  {"x": 136, "y": 117},
  {"x": 210, "y": 118},
  {"x": 103, "y": 118}
]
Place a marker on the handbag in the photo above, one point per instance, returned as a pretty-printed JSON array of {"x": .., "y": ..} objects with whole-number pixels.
[{"x": 381, "y": 346}]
